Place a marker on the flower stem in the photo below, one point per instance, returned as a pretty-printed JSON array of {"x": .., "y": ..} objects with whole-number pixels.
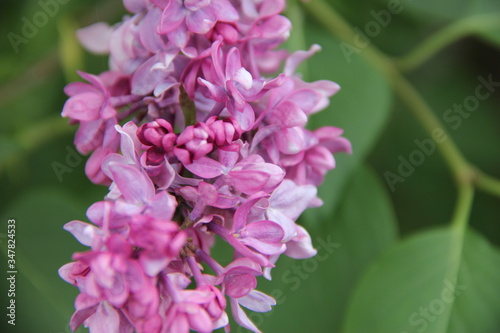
[
  {"x": 446, "y": 37},
  {"x": 487, "y": 183},
  {"x": 457, "y": 164},
  {"x": 463, "y": 208},
  {"x": 463, "y": 172}
]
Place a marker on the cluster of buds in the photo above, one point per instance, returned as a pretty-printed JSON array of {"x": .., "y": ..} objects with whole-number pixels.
[{"x": 198, "y": 142}]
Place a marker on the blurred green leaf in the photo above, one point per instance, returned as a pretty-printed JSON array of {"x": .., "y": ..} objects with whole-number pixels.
[
  {"x": 444, "y": 9},
  {"x": 42, "y": 246},
  {"x": 8, "y": 148},
  {"x": 70, "y": 51},
  {"x": 319, "y": 288},
  {"x": 361, "y": 118},
  {"x": 411, "y": 288},
  {"x": 489, "y": 7}
]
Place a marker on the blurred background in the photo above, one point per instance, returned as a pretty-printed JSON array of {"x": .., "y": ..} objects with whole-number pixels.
[{"x": 44, "y": 185}]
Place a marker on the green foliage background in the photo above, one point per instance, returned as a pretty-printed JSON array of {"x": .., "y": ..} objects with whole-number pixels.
[{"x": 394, "y": 249}]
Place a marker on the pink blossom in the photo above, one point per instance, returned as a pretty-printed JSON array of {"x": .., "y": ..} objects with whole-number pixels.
[
  {"x": 182, "y": 18},
  {"x": 196, "y": 146}
]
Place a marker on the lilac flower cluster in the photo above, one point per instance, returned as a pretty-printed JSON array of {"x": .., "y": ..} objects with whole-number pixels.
[{"x": 197, "y": 140}]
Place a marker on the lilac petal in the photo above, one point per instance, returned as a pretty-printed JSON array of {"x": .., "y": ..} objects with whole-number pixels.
[
  {"x": 133, "y": 184},
  {"x": 80, "y": 316},
  {"x": 96, "y": 38},
  {"x": 276, "y": 27},
  {"x": 164, "y": 174},
  {"x": 83, "y": 232},
  {"x": 288, "y": 114},
  {"x": 263, "y": 246},
  {"x": 226, "y": 201},
  {"x": 128, "y": 140},
  {"x": 233, "y": 62},
  {"x": 228, "y": 158},
  {"x": 206, "y": 168},
  {"x": 267, "y": 270},
  {"x": 245, "y": 251},
  {"x": 222, "y": 321},
  {"x": 225, "y": 10},
  {"x": 267, "y": 231},
  {"x": 107, "y": 111},
  {"x": 93, "y": 79},
  {"x": 243, "y": 77},
  {"x": 341, "y": 144},
  {"x": 238, "y": 101},
  {"x": 208, "y": 192},
  {"x": 84, "y": 107},
  {"x": 264, "y": 236},
  {"x": 306, "y": 99},
  {"x": 245, "y": 118},
  {"x": 179, "y": 37},
  {"x": 261, "y": 134},
  {"x": 297, "y": 58},
  {"x": 180, "y": 280},
  {"x": 239, "y": 285},
  {"x": 241, "y": 317},
  {"x": 127, "y": 209},
  {"x": 291, "y": 140},
  {"x": 105, "y": 320},
  {"x": 244, "y": 263},
  {"x": 189, "y": 193},
  {"x": 249, "y": 181},
  {"x": 201, "y": 21},
  {"x": 89, "y": 135},
  {"x": 134, "y": 6},
  {"x": 148, "y": 35},
  {"x": 162, "y": 206},
  {"x": 75, "y": 88},
  {"x": 165, "y": 85},
  {"x": 197, "y": 296},
  {"x": 291, "y": 199},
  {"x": 241, "y": 214},
  {"x": 93, "y": 166},
  {"x": 301, "y": 246},
  {"x": 179, "y": 324},
  {"x": 65, "y": 272},
  {"x": 320, "y": 158},
  {"x": 172, "y": 17},
  {"x": 257, "y": 301},
  {"x": 276, "y": 174},
  {"x": 198, "y": 318},
  {"x": 271, "y": 8},
  {"x": 288, "y": 225},
  {"x": 217, "y": 92},
  {"x": 145, "y": 79}
]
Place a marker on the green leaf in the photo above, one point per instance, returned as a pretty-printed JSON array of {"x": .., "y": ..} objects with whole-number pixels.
[
  {"x": 411, "y": 288},
  {"x": 318, "y": 288},
  {"x": 362, "y": 118}
]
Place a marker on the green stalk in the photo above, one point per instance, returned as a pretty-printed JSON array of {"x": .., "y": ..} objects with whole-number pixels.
[
  {"x": 447, "y": 36},
  {"x": 462, "y": 171}
]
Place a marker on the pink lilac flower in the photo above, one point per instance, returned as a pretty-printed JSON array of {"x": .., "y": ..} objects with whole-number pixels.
[{"x": 196, "y": 144}]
